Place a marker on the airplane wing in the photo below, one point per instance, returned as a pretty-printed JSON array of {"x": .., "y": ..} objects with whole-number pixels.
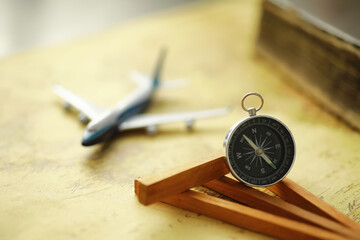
[
  {"x": 148, "y": 120},
  {"x": 142, "y": 79},
  {"x": 85, "y": 107},
  {"x": 139, "y": 78}
]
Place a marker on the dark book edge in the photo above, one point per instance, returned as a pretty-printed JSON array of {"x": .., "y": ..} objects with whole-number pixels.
[{"x": 323, "y": 62}]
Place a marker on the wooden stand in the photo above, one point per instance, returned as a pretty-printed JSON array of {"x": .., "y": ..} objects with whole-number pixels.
[{"x": 299, "y": 214}]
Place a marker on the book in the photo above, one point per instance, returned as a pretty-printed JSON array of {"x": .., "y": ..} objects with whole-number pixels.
[{"x": 320, "y": 59}]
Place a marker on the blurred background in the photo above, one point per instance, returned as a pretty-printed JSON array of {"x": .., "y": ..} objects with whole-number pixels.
[
  {"x": 52, "y": 186},
  {"x": 30, "y": 23}
]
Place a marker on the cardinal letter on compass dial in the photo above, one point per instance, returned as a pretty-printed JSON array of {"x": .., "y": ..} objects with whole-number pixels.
[{"x": 260, "y": 150}]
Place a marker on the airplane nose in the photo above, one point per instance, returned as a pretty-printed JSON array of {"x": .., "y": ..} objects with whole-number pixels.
[
  {"x": 85, "y": 143},
  {"x": 85, "y": 139},
  {"x": 91, "y": 138}
]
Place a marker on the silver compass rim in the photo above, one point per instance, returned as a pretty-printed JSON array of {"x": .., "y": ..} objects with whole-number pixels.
[{"x": 231, "y": 133}]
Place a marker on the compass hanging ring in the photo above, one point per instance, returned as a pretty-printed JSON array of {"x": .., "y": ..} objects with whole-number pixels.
[
  {"x": 260, "y": 149},
  {"x": 252, "y": 111}
]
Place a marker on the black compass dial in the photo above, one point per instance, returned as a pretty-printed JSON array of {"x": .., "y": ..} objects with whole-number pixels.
[{"x": 260, "y": 150}]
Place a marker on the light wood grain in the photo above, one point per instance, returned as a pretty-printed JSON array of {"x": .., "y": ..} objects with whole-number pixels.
[
  {"x": 260, "y": 200},
  {"x": 176, "y": 180},
  {"x": 164, "y": 185},
  {"x": 295, "y": 194},
  {"x": 243, "y": 216}
]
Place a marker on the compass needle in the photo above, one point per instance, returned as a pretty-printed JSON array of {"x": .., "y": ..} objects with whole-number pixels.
[
  {"x": 267, "y": 147},
  {"x": 251, "y": 143},
  {"x": 267, "y": 159},
  {"x": 259, "y": 152}
]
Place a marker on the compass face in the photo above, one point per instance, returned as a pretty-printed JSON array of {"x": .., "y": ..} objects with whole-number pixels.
[{"x": 260, "y": 150}]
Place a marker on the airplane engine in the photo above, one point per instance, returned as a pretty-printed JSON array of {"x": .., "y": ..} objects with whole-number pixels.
[
  {"x": 83, "y": 119},
  {"x": 151, "y": 130},
  {"x": 66, "y": 106},
  {"x": 190, "y": 124}
]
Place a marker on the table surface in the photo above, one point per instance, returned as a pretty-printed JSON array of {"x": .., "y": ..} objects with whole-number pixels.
[{"x": 52, "y": 186}]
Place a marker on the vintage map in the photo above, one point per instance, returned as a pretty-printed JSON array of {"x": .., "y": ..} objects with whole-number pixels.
[{"x": 52, "y": 186}]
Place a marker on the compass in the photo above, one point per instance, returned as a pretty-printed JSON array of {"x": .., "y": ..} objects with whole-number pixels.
[{"x": 260, "y": 149}]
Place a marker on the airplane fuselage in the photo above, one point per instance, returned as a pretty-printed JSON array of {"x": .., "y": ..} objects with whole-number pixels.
[
  {"x": 127, "y": 114},
  {"x": 107, "y": 124}
]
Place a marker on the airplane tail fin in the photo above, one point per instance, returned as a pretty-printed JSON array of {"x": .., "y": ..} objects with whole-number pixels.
[{"x": 158, "y": 68}]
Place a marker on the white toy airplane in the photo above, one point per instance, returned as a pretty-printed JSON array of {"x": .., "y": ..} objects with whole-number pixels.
[{"x": 127, "y": 114}]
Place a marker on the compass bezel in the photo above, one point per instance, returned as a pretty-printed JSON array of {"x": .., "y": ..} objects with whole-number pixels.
[{"x": 229, "y": 138}]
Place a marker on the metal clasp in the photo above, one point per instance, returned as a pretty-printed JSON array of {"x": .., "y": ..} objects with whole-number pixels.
[{"x": 252, "y": 111}]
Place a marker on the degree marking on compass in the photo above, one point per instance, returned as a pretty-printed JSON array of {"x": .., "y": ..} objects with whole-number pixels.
[
  {"x": 256, "y": 142},
  {"x": 262, "y": 144},
  {"x": 267, "y": 148},
  {"x": 267, "y": 144},
  {"x": 247, "y": 153},
  {"x": 248, "y": 157},
  {"x": 252, "y": 160},
  {"x": 260, "y": 140}
]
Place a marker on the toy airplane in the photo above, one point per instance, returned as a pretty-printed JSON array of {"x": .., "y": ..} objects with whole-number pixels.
[{"x": 127, "y": 114}]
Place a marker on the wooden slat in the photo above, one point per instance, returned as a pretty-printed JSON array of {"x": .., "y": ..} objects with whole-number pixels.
[
  {"x": 293, "y": 193},
  {"x": 203, "y": 172},
  {"x": 260, "y": 200},
  {"x": 249, "y": 218},
  {"x": 177, "y": 180}
]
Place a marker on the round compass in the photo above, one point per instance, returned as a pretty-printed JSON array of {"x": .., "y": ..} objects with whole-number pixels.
[{"x": 260, "y": 150}]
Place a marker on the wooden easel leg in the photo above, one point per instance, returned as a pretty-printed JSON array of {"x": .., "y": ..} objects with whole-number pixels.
[
  {"x": 262, "y": 201},
  {"x": 294, "y": 194},
  {"x": 246, "y": 217}
]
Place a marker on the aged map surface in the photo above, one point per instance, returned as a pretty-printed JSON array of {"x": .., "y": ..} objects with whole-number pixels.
[{"x": 51, "y": 186}]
